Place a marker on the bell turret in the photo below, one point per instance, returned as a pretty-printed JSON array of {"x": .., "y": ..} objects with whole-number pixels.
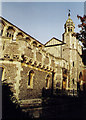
[{"x": 69, "y": 25}]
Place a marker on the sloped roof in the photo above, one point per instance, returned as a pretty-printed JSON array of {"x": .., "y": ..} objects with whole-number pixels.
[
  {"x": 20, "y": 29},
  {"x": 29, "y": 35},
  {"x": 56, "y": 40}
]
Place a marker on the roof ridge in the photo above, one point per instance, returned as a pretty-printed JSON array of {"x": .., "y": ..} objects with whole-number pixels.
[
  {"x": 53, "y": 38},
  {"x": 20, "y": 29}
]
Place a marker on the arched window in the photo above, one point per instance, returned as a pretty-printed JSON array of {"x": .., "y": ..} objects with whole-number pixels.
[
  {"x": 68, "y": 29},
  {"x": 10, "y": 31},
  {"x": 7, "y": 34},
  {"x": 2, "y": 24},
  {"x": 73, "y": 63},
  {"x": 30, "y": 79},
  {"x": 20, "y": 35},
  {"x": 80, "y": 76},
  {"x": 1, "y": 73},
  {"x": 1, "y": 32},
  {"x": 35, "y": 43},
  {"x": 47, "y": 81},
  {"x": 28, "y": 39},
  {"x": 40, "y": 46},
  {"x": 73, "y": 81}
]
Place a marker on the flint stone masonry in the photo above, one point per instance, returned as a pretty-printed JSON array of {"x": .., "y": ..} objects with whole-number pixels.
[
  {"x": 10, "y": 71},
  {"x": 52, "y": 63},
  {"x": 46, "y": 60},
  {"x": 39, "y": 56},
  {"x": 28, "y": 52},
  {"x": 39, "y": 79},
  {"x": 10, "y": 74},
  {"x": 11, "y": 49}
]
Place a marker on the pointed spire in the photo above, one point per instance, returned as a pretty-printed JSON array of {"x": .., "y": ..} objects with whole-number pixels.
[{"x": 69, "y": 13}]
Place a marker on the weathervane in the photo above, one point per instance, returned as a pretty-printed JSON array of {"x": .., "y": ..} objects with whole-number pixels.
[{"x": 69, "y": 12}]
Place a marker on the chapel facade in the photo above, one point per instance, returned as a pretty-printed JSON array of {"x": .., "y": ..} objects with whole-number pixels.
[{"x": 32, "y": 66}]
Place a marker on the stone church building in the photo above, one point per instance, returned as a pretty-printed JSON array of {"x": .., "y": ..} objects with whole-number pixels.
[{"x": 32, "y": 66}]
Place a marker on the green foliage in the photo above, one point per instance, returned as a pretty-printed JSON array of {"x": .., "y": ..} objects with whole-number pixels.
[{"x": 81, "y": 36}]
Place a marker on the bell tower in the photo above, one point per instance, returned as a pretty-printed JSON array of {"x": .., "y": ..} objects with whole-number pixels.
[
  {"x": 69, "y": 29},
  {"x": 70, "y": 53}
]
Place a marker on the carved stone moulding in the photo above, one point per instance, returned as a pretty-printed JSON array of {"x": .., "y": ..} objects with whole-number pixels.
[
  {"x": 24, "y": 58},
  {"x": 28, "y": 39},
  {"x": 35, "y": 63},
  {"x": 39, "y": 65},
  {"x": 43, "y": 67},
  {"x": 6, "y": 56},
  {"x": 51, "y": 68},
  {"x": 10, "y": 59},
  {"x": 48, "y": 68},
  {"x": 30, "y": 62},
  {"x": 2, "y": 58}
]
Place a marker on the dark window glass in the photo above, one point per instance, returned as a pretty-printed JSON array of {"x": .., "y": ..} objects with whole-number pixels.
[
  {"x": 1, "y": 32},
  {"x": 1, "y": 72},
  {"x": 73, "y": 81}
]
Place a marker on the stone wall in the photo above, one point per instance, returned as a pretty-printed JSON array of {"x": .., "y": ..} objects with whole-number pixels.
[
  {"x": 11, "y": 75},
  {"x": 39, "y": 82},
  {"x": 19, "y": 55},
  {"x": 39, "y": 56}
]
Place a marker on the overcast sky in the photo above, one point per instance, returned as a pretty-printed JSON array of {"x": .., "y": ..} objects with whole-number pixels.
[{"x": 42, "y": 20}]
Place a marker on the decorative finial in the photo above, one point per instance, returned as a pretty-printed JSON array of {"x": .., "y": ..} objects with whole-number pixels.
[{"x": 69, "y": 12}]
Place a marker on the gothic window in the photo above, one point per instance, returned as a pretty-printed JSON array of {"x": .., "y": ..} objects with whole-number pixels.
[
  {"x": 73, "y": 81},
  {"x": 30, "y": 79},
  {"x": 68, "y": 29},
  {"x": 7, "y": 34},
  {"x": 1, "y": 32},
  {"x": 20, "y": 35},
  {"x": 80, "y": 76},
  {"x": 1, "y": 27},
  {"x": 1, "y": 73},
  {"x": 3, "y": 45},
  {"x": 47, "y": 81},
  {"x": 35, "y": 43},
  {"x": 28, "y": 39},
  {"x": 10, "y": 31},
  {"x": 73, "y": 63},
  {"x": 40, "y": 46}
]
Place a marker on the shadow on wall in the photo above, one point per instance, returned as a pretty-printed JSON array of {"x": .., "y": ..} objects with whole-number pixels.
[
  {"x": 53, "y": 106},
  {"x": 10, "y": 107}
]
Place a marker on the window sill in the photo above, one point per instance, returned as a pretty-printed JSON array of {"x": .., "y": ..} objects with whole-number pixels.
[{"x": 29, "y": 87}]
